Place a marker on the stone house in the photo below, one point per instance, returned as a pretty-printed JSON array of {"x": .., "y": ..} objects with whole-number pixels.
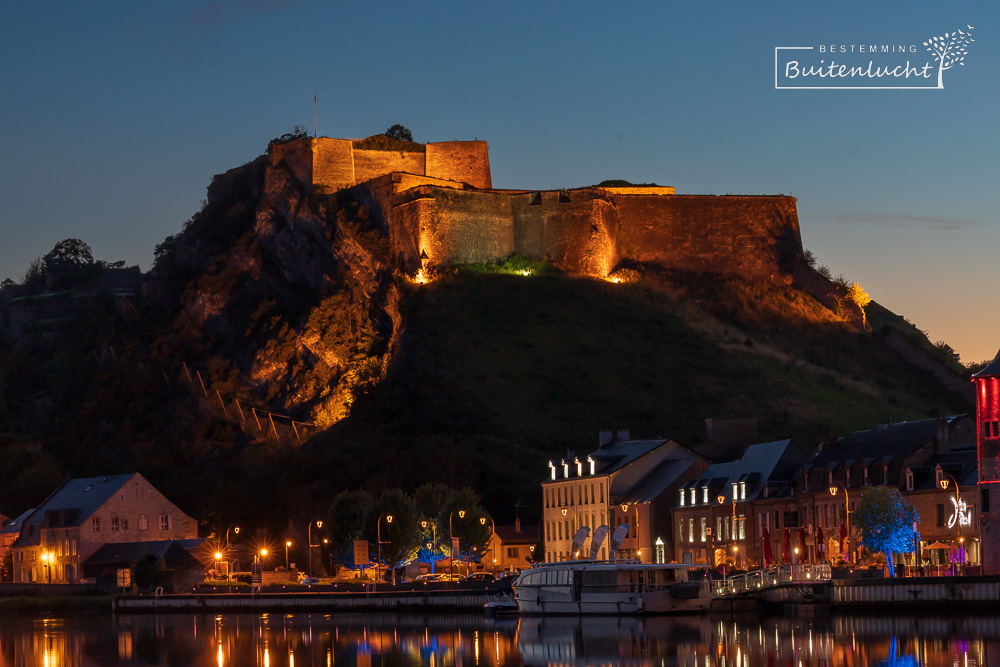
[
  {"x": 511, "y": 547},
  {"x": 82, "y": 515},
  {"x": 623, "y": 481},
  {"x": 724, "y": 515}
]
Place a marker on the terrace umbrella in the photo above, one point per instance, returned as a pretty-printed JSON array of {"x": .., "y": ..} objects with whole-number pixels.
[
  {"x": 767, "y": 548},
  {"x": 843, "y": 543},
  {"x": 820, "y": 546},
  {"x": 787, "y": 550}
]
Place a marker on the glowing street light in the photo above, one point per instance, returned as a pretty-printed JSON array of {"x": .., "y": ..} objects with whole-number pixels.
[
  {"x": 319, "y": 524},
  {"x": 434, "y": 542},
  {"x": 451, "y": 536},
  {"x": 847, "y": 515},
  {"x": 493, "y": 530},
  {"x": 378, "y": 529}
]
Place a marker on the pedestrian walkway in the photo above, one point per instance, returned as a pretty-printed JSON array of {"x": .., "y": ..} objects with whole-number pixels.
[{"x": 771, "y": 577}]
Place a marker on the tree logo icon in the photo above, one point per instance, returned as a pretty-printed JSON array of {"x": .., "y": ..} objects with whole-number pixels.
[{"x": 949, "y": 50}]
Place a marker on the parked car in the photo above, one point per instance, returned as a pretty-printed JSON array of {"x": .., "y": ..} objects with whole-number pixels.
[
  {"x": 427, "y": 578},
  {"x": 481, "y": 576}
]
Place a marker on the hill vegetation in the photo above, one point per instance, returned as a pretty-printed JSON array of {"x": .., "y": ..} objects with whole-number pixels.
[{"x": 278, "y": 357}]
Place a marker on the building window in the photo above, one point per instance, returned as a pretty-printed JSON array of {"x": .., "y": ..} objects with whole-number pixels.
[
  {"x": 909, "y": 479},
  {"x": 592, "y": 492},
  {"x": 743, "y": 534},
  {"x": 718, "y": 526},
  {"x": 601, "y": 489},
  {"x": 680, "y": 530},
  {"x": 991, "y": 429},
  {"x": 690, "y": 530},
  {"x": 114, "y": 524},
  {"x": 694, "y": 497},
  {"x": 95, "y": 524},
  {"x": 940, "y": 516},
  {"x": 512, "y": 552},
  {"x": 704, "y": 494},
  {"x": 743, "y": 490},
  {"x": 682, "y": 497},
  {"x": 704, "y": 529},
  {"x": 164, "y": 522},
  {"x": 143, "y": 522}
]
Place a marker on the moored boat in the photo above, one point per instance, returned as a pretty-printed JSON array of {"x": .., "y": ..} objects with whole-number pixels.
[{"x": 611, "y": 587}]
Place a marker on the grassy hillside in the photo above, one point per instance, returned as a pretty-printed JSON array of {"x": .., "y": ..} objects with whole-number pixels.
[{"x": 499, "y": 373}]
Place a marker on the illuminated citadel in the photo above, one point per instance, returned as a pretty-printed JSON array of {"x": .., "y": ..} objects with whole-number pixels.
[{"x": 439, "y": 208}]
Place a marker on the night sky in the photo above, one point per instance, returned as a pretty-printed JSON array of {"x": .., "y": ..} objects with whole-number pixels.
[{"x": 117, "y": 114}]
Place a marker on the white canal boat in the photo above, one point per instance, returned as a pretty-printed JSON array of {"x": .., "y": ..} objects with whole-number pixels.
[{"x": 607, "y": 587}]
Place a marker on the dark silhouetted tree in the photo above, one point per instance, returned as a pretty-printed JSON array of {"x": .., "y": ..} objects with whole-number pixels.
[{"x": 397, "y": 131}]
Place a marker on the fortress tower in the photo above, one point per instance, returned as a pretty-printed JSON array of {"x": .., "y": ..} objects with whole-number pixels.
[{"x": 987, "y": 384}]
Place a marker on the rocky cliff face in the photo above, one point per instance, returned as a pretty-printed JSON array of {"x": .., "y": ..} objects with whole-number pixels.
[{"x": 291, "y": 297}]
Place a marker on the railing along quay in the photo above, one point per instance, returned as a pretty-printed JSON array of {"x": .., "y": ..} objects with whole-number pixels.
[{"x": 771, "y": 577}]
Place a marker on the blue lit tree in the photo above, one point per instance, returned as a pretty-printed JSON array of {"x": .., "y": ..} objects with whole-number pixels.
[{"x": 886, "y": 521}]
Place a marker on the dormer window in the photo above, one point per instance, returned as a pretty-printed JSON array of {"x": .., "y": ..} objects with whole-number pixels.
[
  {"x": 565, "y": 466},
  {"x": 743, "y": 490},
  {"x": 682, "y": 497},
  {"x": 704, "y": 495},
  {"x": 885, "y": 473},
  {"x": 865, "y": 473},
  {"x": 592, "y": 462},
  {"x": 552, "y": 469},
  {"x": 693, "y": 497},
  {"x": 909, "y": 479},
  {"x": 579, "y": 467}
]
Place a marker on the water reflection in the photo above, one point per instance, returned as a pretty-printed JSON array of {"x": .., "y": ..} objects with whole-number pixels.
[{"x": 369, "y": 640}]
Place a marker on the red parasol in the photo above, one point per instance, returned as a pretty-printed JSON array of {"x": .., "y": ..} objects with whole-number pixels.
[
  {"x": 843, "y": 543},
  {"x": 767, "y": 548},
  {"x": 786, "y": 555},
  {"x": 820, "y": 545}
]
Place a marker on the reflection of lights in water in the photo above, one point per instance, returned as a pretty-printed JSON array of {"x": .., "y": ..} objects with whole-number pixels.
[
  {"x": 475, "y": 645},
  {"x": 291, "y": 658},
  {"x": 219, "y": 656},
  {"x": 267, "y": 658},
  {"x": 329, "y": 658}
]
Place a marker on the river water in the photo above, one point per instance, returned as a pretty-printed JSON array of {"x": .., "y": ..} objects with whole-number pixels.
[{"x": 374, "y": 640}]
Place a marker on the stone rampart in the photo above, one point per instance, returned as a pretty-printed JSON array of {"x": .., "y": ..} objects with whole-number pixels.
[
  {"x": 335, "y": 164},
  {"x": 589, "y": 230},
  {"x": 464, "y": 161}
]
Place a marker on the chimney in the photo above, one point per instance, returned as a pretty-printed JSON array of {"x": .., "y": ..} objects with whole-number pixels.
[
  {"x": 517, "y": 524},
  {"x": 603, "y": 437},
  {"x": 623, "y": 434}
]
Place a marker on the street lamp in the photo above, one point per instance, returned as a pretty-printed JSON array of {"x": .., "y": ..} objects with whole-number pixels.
[
  {"x": 493, "y": 530},
  {"x": 236, "y": 531},
  {"x": 288, "y": 543},
  {"x": 847, "y": 515},
  {"x": 451, "y": 536},
  {"x": 47, "y": 560},
  {"x": 959, "y": 517},
  {"x": 319, "y": 524},
  {"x": 434, "y": 543},
  {"x": 564, "y": 509},
  {"x": 378, "y": 530}
]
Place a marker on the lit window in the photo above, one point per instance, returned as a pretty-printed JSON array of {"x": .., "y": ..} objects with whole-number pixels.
[
  {"x": 909, "y": 480},
  {"x": 704, "y": 494},
  {"x": 704, "y": 529},
  {"x": 742, "y": 523},
  {"x": 164, "y": 522},
  {"x": 691, "y": 530},
  {"x": 682, "y": 497},
  {"x": 693, "y": 497},
  {"x": 743, "y": 490},
  {"x": 95, "y": 524}
]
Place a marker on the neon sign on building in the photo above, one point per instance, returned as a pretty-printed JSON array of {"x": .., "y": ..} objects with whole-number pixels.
[{"x": 962, "y": 514}]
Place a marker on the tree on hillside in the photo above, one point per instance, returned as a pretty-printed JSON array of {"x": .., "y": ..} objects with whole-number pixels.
[
  {"x": 346, "y": 522},
  {"x": 394, "y": 521},
  {"x": 68, "y": 252},
  {"x": 886, "y": 521},
  {"x": 397, "y": 131}
]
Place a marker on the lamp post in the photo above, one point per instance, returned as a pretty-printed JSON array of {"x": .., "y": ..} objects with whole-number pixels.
[
  {"x": 493, "y": 530},
  {"x": 847, "y": 515},
  {"x": 236, "y": 531},
  {"x": 319, "y": 524},
  {"x": 46, "y": 559},
  {"x": 564, "y": 509},
  {"x": 638, "y": 545},
  {"x": 958, "y": 519},
  {"x": 451, "y": 536},
  {"x": 434, "y": 543},
  {"x": 288, "y": 543},
  {"x": 378, "y": 530}
]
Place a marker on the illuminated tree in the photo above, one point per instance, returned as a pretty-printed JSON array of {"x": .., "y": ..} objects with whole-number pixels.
[
  {"x": 949, "y": 50},
  {"x": 858, "y": 295},
  {"x": 886, "y": 522}
]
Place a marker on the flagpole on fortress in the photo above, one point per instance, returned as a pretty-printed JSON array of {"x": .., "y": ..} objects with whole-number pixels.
[{"x": 314, "y": 115}]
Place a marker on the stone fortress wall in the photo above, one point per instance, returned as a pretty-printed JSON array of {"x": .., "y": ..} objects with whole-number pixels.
[
  {"x": 449, "y": 215},
  {"x": 335, "y": 164}
]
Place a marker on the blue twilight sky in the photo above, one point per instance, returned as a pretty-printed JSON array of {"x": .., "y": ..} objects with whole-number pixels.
[{"x": 115, "y": 116}]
